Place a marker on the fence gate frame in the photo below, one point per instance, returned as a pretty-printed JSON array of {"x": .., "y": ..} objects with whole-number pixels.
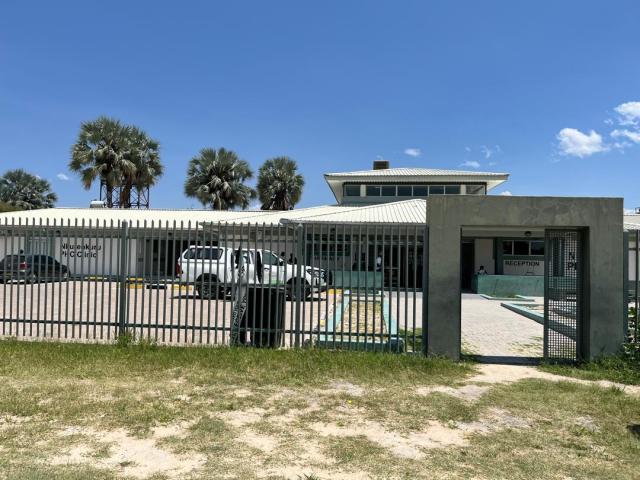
[{"x": 565, "y": 294}]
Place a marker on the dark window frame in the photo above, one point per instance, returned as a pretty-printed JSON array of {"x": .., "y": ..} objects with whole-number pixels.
[{"x": 354, "y": 187}]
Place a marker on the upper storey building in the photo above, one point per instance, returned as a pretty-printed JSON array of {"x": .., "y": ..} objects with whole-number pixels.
[{"x": 383, "y": 184}]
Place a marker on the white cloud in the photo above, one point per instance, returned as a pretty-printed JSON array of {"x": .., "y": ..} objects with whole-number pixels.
[
  {"x": 575, "y": 143},
  {"x": 608, "y": 121},
  {"x": 506, "y": 193},
  {"x": 467, "y": 149},
  {"x": 471, "y": 164},
  {"x": 629, "y": 113},
  {"x": 62, "y": 176},
  {"x": 634, "y": 136},
  {"x": 413, "y": 152},
  {"x": 488, "y": 152}
]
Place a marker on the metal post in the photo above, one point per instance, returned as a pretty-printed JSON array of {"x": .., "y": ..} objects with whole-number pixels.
[
  {"x": 297, "y": 282},
  {"x": 425, "y": 289},
  {"x": 636, "y": 277},
  {"x": 122, "y": 278}
]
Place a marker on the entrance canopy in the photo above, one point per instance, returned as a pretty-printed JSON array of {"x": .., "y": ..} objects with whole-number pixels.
[{"x": 452, "y": 218}]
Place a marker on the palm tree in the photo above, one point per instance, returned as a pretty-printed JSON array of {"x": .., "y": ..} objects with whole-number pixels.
[
  {"x": 101, "y": 153},
  {"x": 144, "y": 154},
  {"x": 23, "y": 191},
  {"x": 216, "y": 178},
  {"x": 279, "y": 184},
  {"x": 5, "y": 207}
]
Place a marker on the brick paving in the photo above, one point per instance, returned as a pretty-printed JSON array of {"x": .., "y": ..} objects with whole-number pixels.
[{"x": 492, "y": 330}]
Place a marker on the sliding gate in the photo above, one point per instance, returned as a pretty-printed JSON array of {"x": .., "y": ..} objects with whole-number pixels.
[{"x": 564, "y": 294}]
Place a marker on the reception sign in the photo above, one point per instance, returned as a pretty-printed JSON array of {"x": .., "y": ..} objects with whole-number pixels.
[{"x": 523, "y": 267}]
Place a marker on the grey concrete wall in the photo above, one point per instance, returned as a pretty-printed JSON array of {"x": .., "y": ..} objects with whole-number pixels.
[{"x": 447, "y": 217}]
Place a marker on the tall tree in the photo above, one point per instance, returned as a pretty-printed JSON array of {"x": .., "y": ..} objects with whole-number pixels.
[
  {"x": 216, "y": 178},
  {"x": 121, "y": 156},
  {"x": 279, "y": 184},
  {"x": 21, "y": 190},
  {"x": 144, "y": 153},
  {"x": 5, "y": 207},
  {"x": 101, "y": 153}
]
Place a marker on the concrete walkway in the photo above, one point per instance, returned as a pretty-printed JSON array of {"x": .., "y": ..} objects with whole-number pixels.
[{"x": 491, "y": 330}]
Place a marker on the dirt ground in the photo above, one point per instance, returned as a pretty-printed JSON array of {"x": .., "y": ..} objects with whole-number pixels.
[{"x": 342, "y": 430}]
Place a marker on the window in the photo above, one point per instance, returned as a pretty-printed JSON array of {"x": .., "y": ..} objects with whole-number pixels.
[
  {"x": 420, "y": 191},
  {"x": 202, "y": 253},
  {"x": 537, "y": 247},
  {"x": 404, "y": 190},
  {"x": 507, "y": 247},
  {"x": 452, "y": 189},
  {"x": 209, "y": 254},
  {"x": 476, "y": 190},
  {"x": 270, "y": 258},
  {"x": 247, "y": 256},
  {"x": 436, "y": 190},
  {"x": 352, "y": 190},
  {"x": 373, "y": 190},
  {"x": 521, "y": 247},
  {"x": 388, "y": 190}
]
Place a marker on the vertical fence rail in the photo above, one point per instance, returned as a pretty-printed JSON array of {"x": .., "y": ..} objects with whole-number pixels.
[
  {"x": 338, "y": 286},
  {"x": 636, "y": 285}
]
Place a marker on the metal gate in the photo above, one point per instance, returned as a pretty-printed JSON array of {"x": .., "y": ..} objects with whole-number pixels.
[{"x": 564, "y": 294}]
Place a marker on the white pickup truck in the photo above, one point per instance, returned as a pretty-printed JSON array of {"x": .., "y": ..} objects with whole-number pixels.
[{"x": 212, "y": 270}]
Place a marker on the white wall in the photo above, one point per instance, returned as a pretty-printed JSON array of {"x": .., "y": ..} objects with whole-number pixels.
[
  {"x": 484, "y": 255},
  {"x": 93, "y": 256},
  {"x": 9, "y": 245},
  {"x": 83, "y": 256}
]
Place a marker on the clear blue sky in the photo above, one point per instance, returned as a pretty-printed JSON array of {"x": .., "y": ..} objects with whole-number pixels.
[{"x": 496, "y": 85}]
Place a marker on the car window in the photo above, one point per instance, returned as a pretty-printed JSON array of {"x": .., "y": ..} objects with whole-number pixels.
[
  {"x": 270, "y": 258},
  {"x": 248, "y": 256},
  {"x": 190, "y": 254},
  {"x": 209, "y": 253},
  {"x": 13, "y": 259}
]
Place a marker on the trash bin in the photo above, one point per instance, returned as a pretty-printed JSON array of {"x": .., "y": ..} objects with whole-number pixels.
[{"x": 265, "y": 315}]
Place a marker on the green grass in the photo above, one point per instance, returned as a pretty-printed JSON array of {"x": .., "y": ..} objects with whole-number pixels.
[
  {"x": 243, "y": 366},
  {"x": 249, "y": 413},
  {"x": 622, "y": 368}
]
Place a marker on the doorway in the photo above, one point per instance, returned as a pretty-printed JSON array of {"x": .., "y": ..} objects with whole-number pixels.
[{"x": 467, "y": 264}]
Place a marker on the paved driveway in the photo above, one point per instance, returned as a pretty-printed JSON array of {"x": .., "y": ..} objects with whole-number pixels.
[{"x": 492, "y": 330}]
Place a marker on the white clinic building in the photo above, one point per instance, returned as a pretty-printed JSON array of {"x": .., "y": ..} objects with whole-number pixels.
[{"x": 382, "y": 196}]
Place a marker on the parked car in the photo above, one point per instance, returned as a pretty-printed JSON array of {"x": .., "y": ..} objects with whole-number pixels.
[
  {"x": 212, "y": 270},
  {"x": 32, "y": 269}
]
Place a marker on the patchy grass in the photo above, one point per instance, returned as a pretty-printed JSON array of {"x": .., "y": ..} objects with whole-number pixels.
[
  {"x": 136, "y": 411},
  {"x": 242, "y": 366},
  {"x": 622, "y": 368}
]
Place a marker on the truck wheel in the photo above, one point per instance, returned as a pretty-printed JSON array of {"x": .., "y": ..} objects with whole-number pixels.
[{"x": 207, "y": 288}]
